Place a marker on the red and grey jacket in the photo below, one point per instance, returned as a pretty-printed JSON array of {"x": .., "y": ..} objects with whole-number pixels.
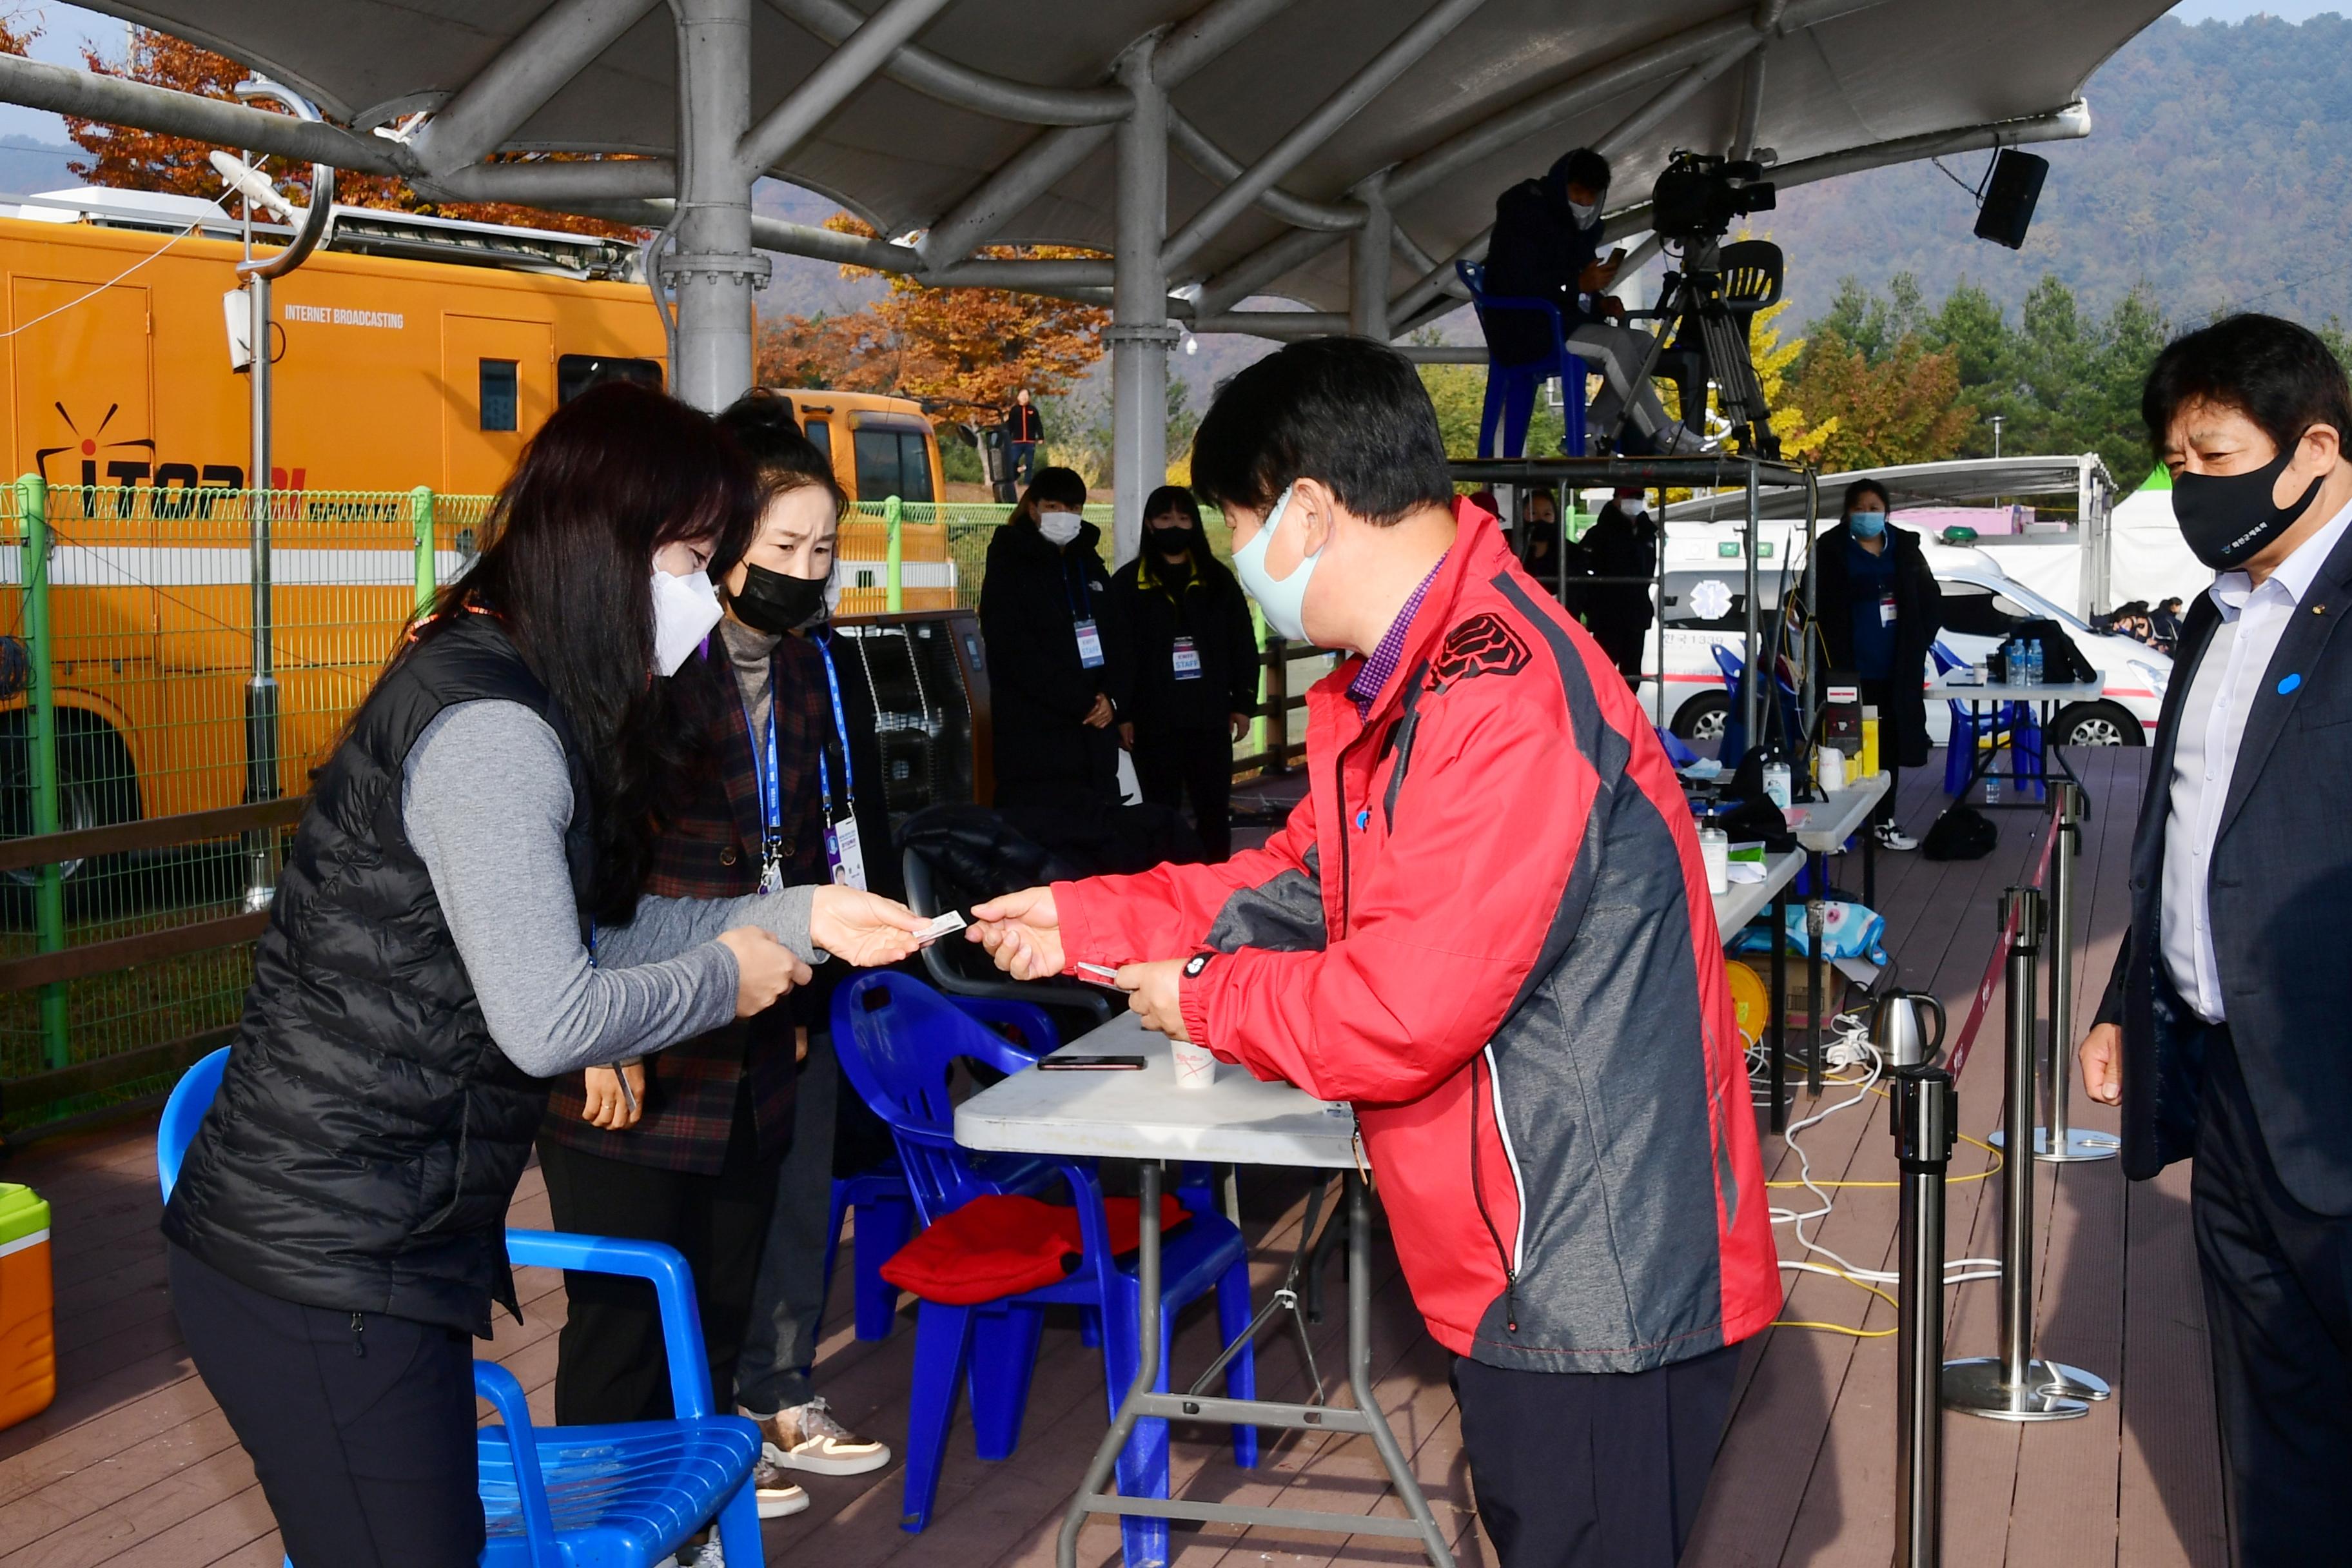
[{"x": 1488, "y": 929}]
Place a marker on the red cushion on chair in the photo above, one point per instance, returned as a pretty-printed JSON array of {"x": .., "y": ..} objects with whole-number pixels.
[
  {"x": 1001, "y": 1244},
  {"x": 997, "y": 1245}
]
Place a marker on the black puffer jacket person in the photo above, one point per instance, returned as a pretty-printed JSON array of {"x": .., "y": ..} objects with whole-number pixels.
[
  {"x": 1196, "y": 667},
  {"x": 1058, "y": 651}
]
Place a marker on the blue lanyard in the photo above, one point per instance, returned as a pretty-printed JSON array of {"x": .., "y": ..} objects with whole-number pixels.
[
  {"x": 823, "y": 641},
  {"x": 1082, "y": 608},
  {"x": 770, "y": 786}
]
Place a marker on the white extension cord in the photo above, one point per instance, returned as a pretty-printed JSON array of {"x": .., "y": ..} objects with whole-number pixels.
[{"x": 1850, "y": 1046}]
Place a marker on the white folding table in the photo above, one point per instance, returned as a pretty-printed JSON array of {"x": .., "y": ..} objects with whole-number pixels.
[
  {"x": 1236, "y": 1121},
  {"x": 2044, "y": 699}
]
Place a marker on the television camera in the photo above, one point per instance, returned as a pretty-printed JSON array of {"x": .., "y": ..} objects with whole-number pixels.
[
  {"x": 1706, "y": 303},
  {"x": 1700, "y": 193}
]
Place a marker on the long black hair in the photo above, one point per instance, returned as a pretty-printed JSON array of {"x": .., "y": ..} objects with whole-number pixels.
[{"x": 613, "y": 477}]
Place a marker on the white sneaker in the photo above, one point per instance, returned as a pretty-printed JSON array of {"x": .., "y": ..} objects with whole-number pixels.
[
  {"x": 707, "y": 1555},
  {"x": 1890, "y": 836},
  {"x": 777, "y": 1494},
  {"x": 808, "y": 1437}
]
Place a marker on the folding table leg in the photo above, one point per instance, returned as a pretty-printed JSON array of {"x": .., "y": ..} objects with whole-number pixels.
[{"x": 1359, "y": 1371}]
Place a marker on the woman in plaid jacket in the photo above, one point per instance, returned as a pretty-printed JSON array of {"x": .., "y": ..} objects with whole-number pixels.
[{"x": 690, "y": 1150}]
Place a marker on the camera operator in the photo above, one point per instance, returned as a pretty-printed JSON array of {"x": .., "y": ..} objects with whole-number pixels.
[{"x": 1547, "y": 246}]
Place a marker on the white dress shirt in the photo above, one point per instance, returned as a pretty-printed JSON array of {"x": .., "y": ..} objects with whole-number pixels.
[{"x": 2212, "y": 722}]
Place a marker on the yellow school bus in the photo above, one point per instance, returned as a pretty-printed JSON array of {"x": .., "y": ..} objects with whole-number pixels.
[{"x": 411, "y": 358}]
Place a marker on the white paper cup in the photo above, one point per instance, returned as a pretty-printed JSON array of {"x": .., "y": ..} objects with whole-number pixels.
[{"x": 1195, "y": 1067}]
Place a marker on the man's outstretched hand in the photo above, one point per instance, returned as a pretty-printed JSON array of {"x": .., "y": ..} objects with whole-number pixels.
[{"x": 1021, "y": 931}]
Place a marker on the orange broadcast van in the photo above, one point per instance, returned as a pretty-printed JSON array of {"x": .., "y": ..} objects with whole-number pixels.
[{"x": 408, "y": 353}]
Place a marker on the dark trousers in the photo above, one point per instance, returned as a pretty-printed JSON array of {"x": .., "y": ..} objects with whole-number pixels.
[
  {"x": 609, "y": 1361},
  {"x": 2278, "y": 1308},
  {"x": 788, "y": 1301},
  {"x": 361, "y": 1426},
  {"x": 1592, "y": 1470},
  {"x": 1023, "y": 458},
  {"x": 1170, "y": 764}
]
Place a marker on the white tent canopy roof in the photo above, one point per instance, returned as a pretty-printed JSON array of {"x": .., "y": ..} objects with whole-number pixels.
[
  {"x": 1494, "y": 99},
  {"x": 1957, "y": 482}
]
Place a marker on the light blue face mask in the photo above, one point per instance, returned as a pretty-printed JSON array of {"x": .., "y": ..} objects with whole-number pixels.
[
  {"x": 1283, "y": 600},
  {"x": 1867, "y": 524}
]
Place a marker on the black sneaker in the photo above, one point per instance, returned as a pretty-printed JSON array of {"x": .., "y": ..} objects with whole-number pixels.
[{"x": 1890, "y": 836}]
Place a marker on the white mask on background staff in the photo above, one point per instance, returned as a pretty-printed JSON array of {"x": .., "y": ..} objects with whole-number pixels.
[
  {"x": 686, "y": 608},
  {"x": 1060, "y": 527}
]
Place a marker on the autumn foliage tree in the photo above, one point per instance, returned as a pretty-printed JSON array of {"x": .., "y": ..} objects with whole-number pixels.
[
  {"x": 1902, "y": 407},
  {"x": 968, "y": 348},
  {"x": 129, "y": 158}
]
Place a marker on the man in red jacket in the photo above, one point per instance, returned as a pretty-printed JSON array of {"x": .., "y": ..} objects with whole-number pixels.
[{"x": 1488, "y": 928}]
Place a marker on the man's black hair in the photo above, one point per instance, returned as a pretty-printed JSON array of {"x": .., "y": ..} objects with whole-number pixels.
[
  {"x": 1861, "y": 488},
  {"x": 1348, "y": 411},
  {"x": 1581, "y": 167},
  {"x": 2276, "y": 374}
]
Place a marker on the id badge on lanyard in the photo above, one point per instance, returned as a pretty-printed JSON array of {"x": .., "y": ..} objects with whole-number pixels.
[
  {"x": 844, "y": 855},
  {"x": 1188, "y": 660},
  {"x": 1886, "y": 606},
  {"x": 772, "y": 815},
  {"x": 1082, "y": 616}
]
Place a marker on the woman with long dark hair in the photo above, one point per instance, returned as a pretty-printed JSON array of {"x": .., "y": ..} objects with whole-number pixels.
[
  {"x": 1195, "y": 681},
  {"x": 459, "y": 920},
  {"x": 708, "y": 1137},
  {"x": 1056, "y": 650}
]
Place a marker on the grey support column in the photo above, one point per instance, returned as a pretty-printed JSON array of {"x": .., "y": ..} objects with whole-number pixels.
[
  {"x": 1140, "y": 333},
  {"x": 1368, "y": 298},
  {"x": 713, "y": 269}
]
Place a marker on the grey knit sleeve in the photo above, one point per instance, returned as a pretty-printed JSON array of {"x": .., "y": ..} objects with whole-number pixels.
[{"x": 485, "y": 797}]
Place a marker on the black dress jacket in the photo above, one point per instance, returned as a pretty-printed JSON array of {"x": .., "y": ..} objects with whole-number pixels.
[
  {"x": 2281, "y": 897},
  {"x": 1918, "y": 620}
]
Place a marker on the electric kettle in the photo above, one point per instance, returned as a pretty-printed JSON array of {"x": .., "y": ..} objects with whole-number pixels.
[{"x": 1896, "y": 1030}]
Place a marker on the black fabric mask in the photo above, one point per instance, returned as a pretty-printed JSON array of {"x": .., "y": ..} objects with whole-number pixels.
[
  {"x": 777, "y": 601},
  {"x": 2227, "y": 520}
]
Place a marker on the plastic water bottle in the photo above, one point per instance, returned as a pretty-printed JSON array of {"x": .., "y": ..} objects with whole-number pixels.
[
  {"x": 1992, "y": 789},
  {"x": 2012, "y": 659},
  {"x": 2033, "y": 661}
]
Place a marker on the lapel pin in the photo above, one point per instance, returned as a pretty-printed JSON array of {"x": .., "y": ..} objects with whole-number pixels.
[{"x": 2288, "y": 683}]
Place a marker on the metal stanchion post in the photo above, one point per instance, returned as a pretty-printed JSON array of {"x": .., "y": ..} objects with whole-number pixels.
[
  {"x": 2013, "y": 1385},
  {"x": 1924, "y": 1111},
  {"x": 2056, "y": 1142}
]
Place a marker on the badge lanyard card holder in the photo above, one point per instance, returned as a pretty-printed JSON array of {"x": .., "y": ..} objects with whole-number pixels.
[
  {"x": 845, "y": 854},
  {"x": 1082, "y": 618}
]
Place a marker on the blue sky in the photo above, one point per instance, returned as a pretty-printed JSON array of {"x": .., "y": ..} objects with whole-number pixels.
[{"x": 66, "y": 27}]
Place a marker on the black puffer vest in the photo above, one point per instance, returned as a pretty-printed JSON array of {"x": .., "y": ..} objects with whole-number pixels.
[{"x": 369, "y": 1133}]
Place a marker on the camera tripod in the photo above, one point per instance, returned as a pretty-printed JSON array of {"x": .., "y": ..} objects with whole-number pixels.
[{"x": 1704, "y": 311}]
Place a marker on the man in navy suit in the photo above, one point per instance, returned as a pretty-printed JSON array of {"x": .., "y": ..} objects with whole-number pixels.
[{"x": 2227, "y": 1030}]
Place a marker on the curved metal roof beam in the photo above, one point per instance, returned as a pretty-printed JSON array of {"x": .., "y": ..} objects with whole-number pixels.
[
  {"x": 935, "y": 77},
  {"x": 117, "y": 100},
  {"x": 1035, "y": 170},
  {"x": 867, "y": 48},
  {"x": 2068, "y": 123},
  {"x": 559, "y": 44},
  {"x": 1318, "y": 128},
  {"x": 540, "y": 183},
  {"x": 1217, "y": 163}
]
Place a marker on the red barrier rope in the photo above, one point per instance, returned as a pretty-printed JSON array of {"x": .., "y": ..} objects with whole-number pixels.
[{"x": 1959, "y": 1056}]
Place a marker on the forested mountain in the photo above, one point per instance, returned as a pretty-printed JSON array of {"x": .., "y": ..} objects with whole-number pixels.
[{"x": 2218, "y": 171}]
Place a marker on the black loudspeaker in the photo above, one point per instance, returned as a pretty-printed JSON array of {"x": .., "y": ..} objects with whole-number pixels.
[{"x": 2009, "y": 194}]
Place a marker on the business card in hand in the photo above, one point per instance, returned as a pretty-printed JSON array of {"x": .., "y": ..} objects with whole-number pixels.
[{"x": 947, "y": 924}]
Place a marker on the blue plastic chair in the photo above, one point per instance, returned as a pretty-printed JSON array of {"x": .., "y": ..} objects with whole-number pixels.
[
  {"x": 1511, "y": 388},
  {"x": 620, "y": 1496},
  {"x": 876, "y": 1199},
  {"x": 2009, "y": 724},
  {"x": 898, "y": 1040}
]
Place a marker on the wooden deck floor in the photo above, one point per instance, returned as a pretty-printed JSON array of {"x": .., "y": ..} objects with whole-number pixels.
[{"x": 135, "y": 1465}]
